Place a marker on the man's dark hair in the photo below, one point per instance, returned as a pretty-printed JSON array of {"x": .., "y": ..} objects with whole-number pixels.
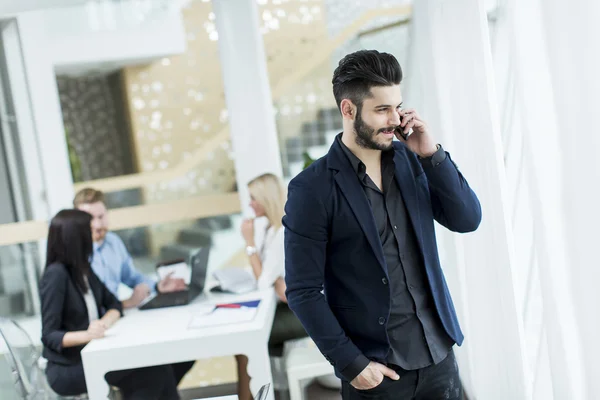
[
  {"x": 358, "y": 72},
  {"x": 70, "y": 243}
]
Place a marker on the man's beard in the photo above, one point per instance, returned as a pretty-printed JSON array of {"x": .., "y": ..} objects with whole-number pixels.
[{"x": 365, "y": 134}]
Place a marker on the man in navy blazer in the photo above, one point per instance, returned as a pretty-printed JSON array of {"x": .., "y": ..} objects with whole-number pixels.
[{"x": 362, "y": 268}]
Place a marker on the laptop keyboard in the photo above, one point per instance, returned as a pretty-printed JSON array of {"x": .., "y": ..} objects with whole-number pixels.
[{"x": 167, "y": 300}]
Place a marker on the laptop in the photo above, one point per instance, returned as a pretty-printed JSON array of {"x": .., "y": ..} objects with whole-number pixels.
[{"x": 199, "y": 264}]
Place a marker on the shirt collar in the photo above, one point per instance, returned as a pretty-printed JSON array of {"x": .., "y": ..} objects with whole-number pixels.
[
  {"x": 99, "y": 246},
  {"x": 358, "y": 166}
]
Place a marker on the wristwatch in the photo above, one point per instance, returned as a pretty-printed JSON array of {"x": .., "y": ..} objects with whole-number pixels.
[{"x": 250, "y": 250}]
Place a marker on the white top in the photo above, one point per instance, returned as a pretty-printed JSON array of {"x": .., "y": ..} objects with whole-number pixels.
[
  {"x": 90, "y": 302},
  {"x": 272, "y": 257}
]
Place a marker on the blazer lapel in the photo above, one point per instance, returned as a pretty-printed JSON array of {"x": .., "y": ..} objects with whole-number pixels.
[
  {"x": 407, "y": 183},
  {"x": 350, "y": 186},
  {"x": 354, "y": 193}
]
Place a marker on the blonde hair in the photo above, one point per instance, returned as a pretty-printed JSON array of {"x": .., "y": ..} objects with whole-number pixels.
[
  {"x": 268, "y": 190},
  {"x": 88, "y": 196}
]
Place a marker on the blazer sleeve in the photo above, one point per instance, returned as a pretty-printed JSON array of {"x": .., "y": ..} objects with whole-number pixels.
[
  {"x": 305, "y": 239},
  {"x": 454, "y": 203},
  {"x": 108, "y": 300},
  {"x": 53, "y": 288}
]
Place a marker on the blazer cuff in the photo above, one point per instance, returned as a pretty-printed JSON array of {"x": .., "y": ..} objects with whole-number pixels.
[
  {"x": 355, "y": 367},
  {"x": 54, "y": 340}
]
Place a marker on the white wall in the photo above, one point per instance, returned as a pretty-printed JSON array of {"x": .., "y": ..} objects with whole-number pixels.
[
  {"x": 47, "y": 132},
  {"x": 74, "y": 39},
  {"x": 118, "y": 33},
  {"x": 251, "y": 119}
]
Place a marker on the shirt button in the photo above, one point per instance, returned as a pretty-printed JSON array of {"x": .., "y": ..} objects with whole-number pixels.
[
  {"x": 384, "y": 281},
  {"x": 411, "y": 287},
  {"x": 395, "y": 227},
  {"x": 381, "y": 320}
]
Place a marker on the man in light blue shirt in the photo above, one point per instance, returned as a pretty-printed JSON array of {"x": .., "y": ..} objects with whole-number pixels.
[
  {"x": 113, "y": 265},
  {"x": 111, "y": 261}
]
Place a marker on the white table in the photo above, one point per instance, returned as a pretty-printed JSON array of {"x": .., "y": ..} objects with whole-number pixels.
[{"x": 161, "y": 336}]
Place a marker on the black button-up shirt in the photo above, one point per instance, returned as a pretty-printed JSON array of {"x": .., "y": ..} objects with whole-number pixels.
[{"x": 416, "y": 335}]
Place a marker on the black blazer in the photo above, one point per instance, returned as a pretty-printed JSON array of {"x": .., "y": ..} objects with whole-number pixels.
[
  {"x": 64, "y": 310},
  {"x": 332, "y": 243}
]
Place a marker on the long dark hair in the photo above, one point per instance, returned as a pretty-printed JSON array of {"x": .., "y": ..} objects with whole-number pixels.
[{"x": 70, "y": 243}]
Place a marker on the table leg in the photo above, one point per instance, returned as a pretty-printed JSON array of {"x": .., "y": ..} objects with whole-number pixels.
[
  {"x": 259, "y": 369},
  {"x": 97, "y": 386},
  {"x": 295, "y": 387}
]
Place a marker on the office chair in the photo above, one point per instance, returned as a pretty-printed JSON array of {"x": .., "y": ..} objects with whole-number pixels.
[
  {"x": 263, "y": 392},
  {"x": 27, "y": 373}
]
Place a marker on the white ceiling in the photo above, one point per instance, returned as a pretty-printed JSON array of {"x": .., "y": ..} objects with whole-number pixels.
[
  {"x": 98, "y": 68},
  {"x": 9, "y": 8}
]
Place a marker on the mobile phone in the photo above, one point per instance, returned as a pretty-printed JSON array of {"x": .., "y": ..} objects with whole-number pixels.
[{"x": 399, "y": 130}]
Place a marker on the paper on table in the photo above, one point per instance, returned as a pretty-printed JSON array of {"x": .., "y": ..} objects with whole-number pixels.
[
  {"x": 222, "y": 316},
  {"x": 180, "y": 271},
  {"x": 203, "y": 309}
]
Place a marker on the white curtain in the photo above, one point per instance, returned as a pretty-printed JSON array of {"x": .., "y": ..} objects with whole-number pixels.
[
  {"x": 554, "y": 58},
  {"x": 572, "y": 31},
  {"x": 517, "y": 113},
  {"x": 450, "y": 80}
]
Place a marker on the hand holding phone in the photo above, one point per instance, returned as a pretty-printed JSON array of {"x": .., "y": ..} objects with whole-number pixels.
[
  {"x": 400, "y": 130},
  {"x": 417, "y": 137}
]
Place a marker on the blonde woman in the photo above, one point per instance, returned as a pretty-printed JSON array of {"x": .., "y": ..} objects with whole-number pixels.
[{"x": 266, "y": 256}]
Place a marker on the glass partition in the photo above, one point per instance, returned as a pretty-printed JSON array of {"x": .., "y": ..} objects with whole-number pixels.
[
  {"x": 306, "y": 113},
  {"x": 19, "y": 276}
]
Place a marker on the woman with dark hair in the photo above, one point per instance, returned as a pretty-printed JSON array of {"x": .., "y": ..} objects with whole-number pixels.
[{"x": 77, "y": 308}]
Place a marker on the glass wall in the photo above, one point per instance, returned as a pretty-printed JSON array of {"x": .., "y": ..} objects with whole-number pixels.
[
  {"x": 18, "y": 263},
  {"x": 304, "y": 42}
]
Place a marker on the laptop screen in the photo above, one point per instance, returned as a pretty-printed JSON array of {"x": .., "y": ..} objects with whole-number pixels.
[{"x": 199, "y": 267}]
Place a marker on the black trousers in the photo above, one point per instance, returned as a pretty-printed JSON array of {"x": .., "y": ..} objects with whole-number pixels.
[
  {"x": 436, "y": 382},
  {"x": 149, "y": 383},
  {"x": 180, "y": 369},
  {"x": 286, "y": 326}
]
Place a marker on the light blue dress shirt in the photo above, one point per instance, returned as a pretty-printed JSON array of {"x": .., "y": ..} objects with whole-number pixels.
[{"x": 113, "y": 265}]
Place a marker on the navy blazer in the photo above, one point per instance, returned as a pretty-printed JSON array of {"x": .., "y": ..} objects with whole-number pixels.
[{"x": 334, "y": 262}]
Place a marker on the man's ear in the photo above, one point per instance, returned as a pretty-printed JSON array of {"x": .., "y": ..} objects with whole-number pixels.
[{"x": 348, "y": 109}]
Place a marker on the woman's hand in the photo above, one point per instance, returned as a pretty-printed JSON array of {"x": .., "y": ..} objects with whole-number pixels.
[
  {"x": 96, "y": 330},
  {"x": 248, "y": 231},
  {"x": 280, "y": 289}
]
